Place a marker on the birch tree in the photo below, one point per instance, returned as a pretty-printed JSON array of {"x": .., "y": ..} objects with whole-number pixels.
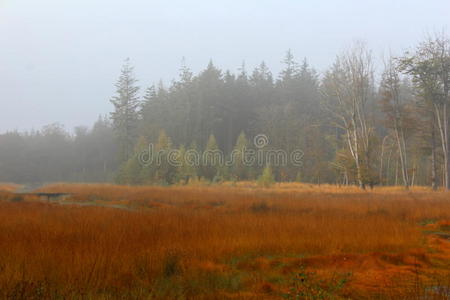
[
  {"x": 429, "y": 65},
  {"x": 393, "y": 105},
  {"x": 348, "y": 87}
]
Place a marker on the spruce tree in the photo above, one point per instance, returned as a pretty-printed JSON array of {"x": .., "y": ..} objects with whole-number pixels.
[
  {"x": 239, "y": 170},
  {"x": 266, "y": 179},
  {"x": 165, "y": 171},
  {"x": 209, "y": 161},
  {"x": 125, "y": 116}
]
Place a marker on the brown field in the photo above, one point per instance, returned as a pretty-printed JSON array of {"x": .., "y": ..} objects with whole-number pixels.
[
  {"x": 233, "y": 241},
  {"x": 8, "y": 187}
]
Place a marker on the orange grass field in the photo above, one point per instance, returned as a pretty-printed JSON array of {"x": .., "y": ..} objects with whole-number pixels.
[
  {"x": 7, "y": 187},
  {"x": 230, "y": 241}
]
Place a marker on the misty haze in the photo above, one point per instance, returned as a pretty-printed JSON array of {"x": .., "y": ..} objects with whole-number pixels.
[{"x": 224, "y": 149}]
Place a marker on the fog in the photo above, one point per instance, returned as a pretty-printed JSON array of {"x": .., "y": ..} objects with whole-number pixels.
[{"x": 60, "y": 59}]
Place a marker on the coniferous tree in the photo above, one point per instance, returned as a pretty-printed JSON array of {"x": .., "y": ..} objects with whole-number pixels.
[
  {"x": 266, "y": 179},
  {"x": 239, "y": 170},
  {"x": 211, "y": 159},
  {"x": 125, "y": 116},
  {"x": 165, "y": 170}
]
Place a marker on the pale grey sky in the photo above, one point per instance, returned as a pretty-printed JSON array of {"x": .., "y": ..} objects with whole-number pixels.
[{"x": 59, "y": 59}]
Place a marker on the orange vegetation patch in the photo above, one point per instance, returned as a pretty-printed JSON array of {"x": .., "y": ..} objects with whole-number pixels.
[
  {"x": 392, "y": 202},
  {"x": 223, "y": 242},
  {"x": 8, "y": 187}
]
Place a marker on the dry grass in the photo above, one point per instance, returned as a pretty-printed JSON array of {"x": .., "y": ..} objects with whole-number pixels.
[
  {"x": 8, "y": 187},
  {"x": 223, "y": 242}
]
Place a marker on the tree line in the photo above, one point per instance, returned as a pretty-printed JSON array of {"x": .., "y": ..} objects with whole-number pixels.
[
  {"x": 352, "y": 124},
  {"x": 53, "y": 155}
]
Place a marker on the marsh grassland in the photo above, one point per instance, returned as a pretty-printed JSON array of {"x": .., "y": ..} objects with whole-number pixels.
[{"x": 229, "y": 241}]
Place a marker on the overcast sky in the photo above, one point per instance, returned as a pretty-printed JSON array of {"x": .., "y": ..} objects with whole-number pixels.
[{"x": 59, "y": 59}]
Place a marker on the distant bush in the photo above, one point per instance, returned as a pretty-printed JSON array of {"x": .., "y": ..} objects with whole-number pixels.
[
  {"x": 172, "y": 265},
  {"x": 259, "y": 207}
]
